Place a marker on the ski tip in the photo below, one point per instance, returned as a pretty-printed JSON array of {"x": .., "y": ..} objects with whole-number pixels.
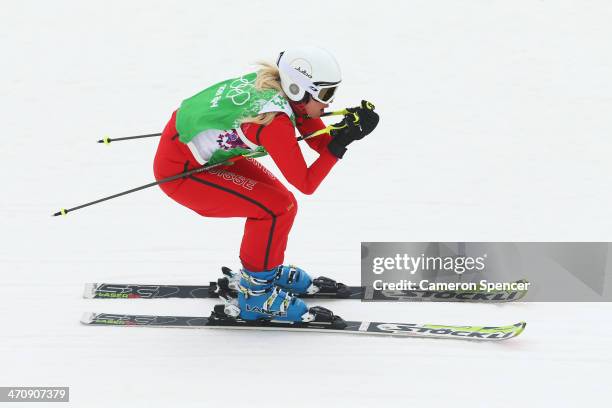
[
  {"x": 514, "y": 330},
  {"x": 90, "y": 291},
  {"x": 521, "y": 328},
  {"x": 88, "y": 317}
]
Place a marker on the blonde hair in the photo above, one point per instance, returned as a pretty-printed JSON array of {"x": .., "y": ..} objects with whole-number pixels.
[{"x": 268, "y": 77}]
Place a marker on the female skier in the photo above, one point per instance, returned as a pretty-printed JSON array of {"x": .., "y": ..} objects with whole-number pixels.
[{"x": 234, "y": 116}]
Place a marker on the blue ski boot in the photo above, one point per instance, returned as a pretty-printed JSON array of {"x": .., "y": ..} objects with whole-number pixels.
[
  {"x": 294, "y": 280},
  {"x": 290, "y": 278},
  {"x": 259, "y": 298}
]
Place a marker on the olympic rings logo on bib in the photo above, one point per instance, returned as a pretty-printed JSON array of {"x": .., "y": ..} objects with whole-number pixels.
[{"x": 237, "y": 93}]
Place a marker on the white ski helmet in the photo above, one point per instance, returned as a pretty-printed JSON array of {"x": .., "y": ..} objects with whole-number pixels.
[{"x": 309, "y": 69}]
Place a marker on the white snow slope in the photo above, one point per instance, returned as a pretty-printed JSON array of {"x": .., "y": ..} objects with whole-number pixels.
[{"x": 495, "y": 127}]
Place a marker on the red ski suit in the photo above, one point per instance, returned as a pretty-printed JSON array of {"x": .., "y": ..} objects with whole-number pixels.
[{"x": 246, "y": 188}]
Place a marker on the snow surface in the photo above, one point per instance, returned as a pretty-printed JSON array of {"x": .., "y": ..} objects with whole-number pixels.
[{"x": 495, "y": 127}]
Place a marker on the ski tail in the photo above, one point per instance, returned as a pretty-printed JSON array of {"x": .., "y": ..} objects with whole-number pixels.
[{"x": 89, "y": 291}]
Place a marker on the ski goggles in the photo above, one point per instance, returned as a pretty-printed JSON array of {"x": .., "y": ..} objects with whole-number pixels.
[{"x": 324, "y": 94}]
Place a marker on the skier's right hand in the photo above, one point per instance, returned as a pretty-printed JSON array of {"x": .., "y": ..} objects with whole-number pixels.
[
  {"x": 357, "y": 124},
  {"x": 367, "y": 119}
]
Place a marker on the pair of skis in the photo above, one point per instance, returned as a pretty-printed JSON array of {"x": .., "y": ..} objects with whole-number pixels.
[{"x": 325, "y": 320}]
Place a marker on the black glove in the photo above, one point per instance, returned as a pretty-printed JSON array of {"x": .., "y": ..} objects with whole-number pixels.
[
  {"x": 358, "y": 123},
  {"x": 367, "y": 118}
]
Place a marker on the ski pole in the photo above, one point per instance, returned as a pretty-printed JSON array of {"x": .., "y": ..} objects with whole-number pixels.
[
  {"x": 336, "y": 113},
  {"x": 188, "y": 173},
  {"x": 107, "y": 140},
  {"x": 256, "y": 153}
]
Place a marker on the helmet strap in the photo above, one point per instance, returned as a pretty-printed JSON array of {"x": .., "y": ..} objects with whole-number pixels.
[{"x": 299, "y": 108}]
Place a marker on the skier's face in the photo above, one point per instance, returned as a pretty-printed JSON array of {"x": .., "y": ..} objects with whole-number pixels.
[{"x": 314, "y": 108}]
